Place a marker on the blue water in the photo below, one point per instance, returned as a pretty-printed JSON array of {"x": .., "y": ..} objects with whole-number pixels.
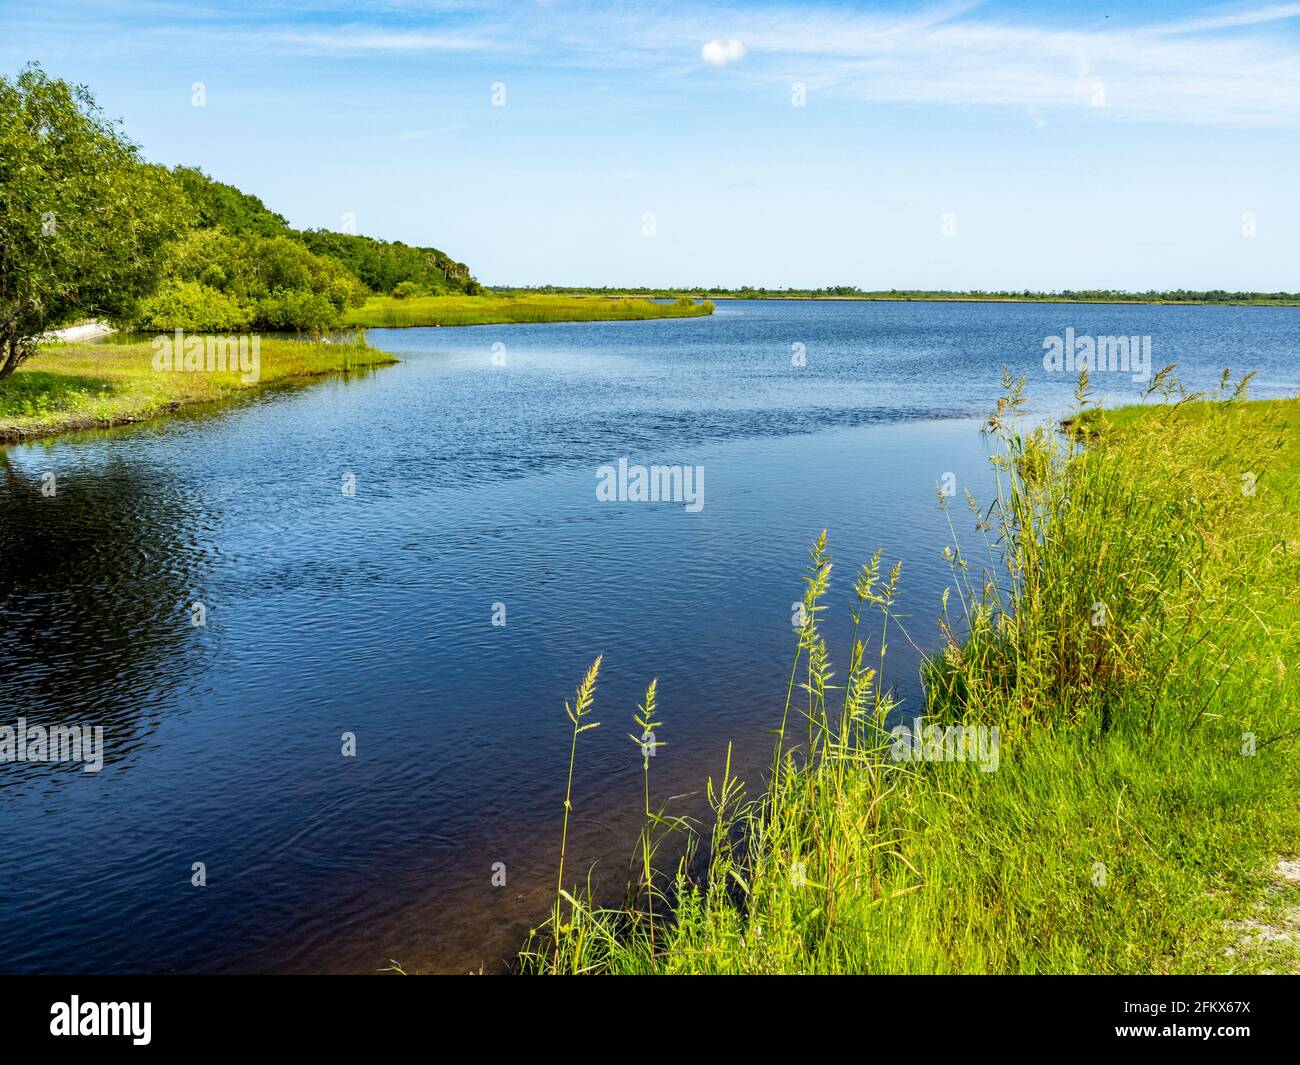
[{"x": 372, "y": 614}]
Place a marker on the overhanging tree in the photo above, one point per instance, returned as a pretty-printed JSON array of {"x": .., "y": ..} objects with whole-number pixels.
[{"x": 82, "y": 218}]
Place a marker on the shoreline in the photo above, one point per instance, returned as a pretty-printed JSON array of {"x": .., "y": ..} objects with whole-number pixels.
[
  {"x": 72, "y": 342},
  {"x": 111, "y": 386},
  {"x": 808, "y": 298},
  {"x": 10, "y": 436}
]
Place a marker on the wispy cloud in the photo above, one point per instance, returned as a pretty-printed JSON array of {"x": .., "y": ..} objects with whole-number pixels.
[
  {"x": 1233, "y": 68},
  {"x": 359, "y": 41},
  {"x": 1254, "y": 16},
  {"x": 1236, "y": 65}
]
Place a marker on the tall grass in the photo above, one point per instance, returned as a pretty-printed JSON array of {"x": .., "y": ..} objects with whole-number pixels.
[
  {"x": 1128, "y": 626},
  {"x": 1125, "y": 580},
  {"x": 384, "y": 311},
  {"x": 802, "y": 858},
  {"x": 582, "y": 706}
]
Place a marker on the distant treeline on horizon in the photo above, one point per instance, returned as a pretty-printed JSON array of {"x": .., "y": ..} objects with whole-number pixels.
[{"x": 853, "y": 292}]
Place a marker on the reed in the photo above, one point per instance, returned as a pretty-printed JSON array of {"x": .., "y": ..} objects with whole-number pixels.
[
  {"x": 583, "y": 700},
  {"x": 788, "y": 860}
]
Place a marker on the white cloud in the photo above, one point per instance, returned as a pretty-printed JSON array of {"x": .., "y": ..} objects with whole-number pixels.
[
  {"x": 720, "y": 53},
  {"x": 350, "y": 39}
]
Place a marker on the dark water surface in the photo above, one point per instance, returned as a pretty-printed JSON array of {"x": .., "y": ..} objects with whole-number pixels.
[{"x": 372, "y": 614}]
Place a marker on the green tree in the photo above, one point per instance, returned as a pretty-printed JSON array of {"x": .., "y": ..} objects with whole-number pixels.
[
  {"x": 82, "y": 218},
  {"x": 382, "y": 264},
  {"x": 219, "y": 204}
]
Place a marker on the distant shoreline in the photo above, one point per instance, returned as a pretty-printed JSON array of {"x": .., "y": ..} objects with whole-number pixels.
[
  {"x": 1021, "y": 299},
  {"x": 896, "y": 298}
]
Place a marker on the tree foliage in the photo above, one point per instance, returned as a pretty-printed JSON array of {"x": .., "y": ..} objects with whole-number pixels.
[
  {"x": 82, "y": 218},
  {"x": 382, "y": 265},
  {"x": 245, "y": 263},
  {"x": 271, "y": 283},
  {"x": 89, "y": 229},
  {"x": 220, "y": 205}
]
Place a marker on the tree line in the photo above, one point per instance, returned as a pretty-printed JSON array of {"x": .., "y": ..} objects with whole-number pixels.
[{"x": 1107, "y": 295}]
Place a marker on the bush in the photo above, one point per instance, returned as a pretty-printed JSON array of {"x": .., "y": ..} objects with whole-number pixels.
[
  {"x": 297, "y": 310},
  {"x": 193, "y": 306},
  {"x": 405, "y": 290}
]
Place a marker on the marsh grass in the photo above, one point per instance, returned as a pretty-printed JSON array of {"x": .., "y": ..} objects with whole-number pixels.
[
  {"x": 85, "y": 386},
  {"x": 1123, "y": 579},
  {"x": 384, "y": 311},
  {"x": 1148, "y": 778}
]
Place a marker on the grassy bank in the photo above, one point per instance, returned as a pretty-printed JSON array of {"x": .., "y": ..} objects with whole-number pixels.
[
  {"x": 384, "y": 311},
  {"x": 1128, "y": 623},
  {"x": 65, "y": 387}
]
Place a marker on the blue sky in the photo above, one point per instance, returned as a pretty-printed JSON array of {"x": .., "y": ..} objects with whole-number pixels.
[{"x": 1095, "y": 145}]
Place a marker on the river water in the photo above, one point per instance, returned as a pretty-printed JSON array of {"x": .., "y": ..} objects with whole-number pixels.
[{"x": 473, "y": 468}]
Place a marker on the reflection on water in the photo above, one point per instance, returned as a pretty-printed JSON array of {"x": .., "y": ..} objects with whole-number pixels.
[
  {"x": 371, "y": 614},
  {"x": 96, "y": 566}
]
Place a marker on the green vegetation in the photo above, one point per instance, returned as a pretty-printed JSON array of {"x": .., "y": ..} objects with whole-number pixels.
[
  {"x": 81, "y": 217},
  {"x": 89, "y": 230},
  {"x": 495, "y": 310},
  {"x": 373, "y": 265},
  {"x": 221, "y": 206},
  {"x": 244, "y": 268},
  {"x": 86, "y": 386},
  {"x": 218, "y": 282},
  {"x": 852, "y": 292},
  {"x": 383, "y": 265},
  {"x": 1131, "y": 629}
]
